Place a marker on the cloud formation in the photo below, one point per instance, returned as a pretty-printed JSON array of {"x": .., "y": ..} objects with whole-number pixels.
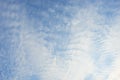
[{"x": 59, "y": 40}]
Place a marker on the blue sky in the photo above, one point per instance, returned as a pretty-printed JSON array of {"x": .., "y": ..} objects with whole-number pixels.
[{"x": 59, "y": 39}]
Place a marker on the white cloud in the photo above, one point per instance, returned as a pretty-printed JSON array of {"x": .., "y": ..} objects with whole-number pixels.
[{"x": 35, "y": 58}]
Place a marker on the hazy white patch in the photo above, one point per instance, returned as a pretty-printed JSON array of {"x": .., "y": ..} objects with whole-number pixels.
[
  {"x": 112, "y": 45},
  {"x": 80, "y": 45},
  {"x": 34, "y": 57},
  {"x": 115, "y": 72}
]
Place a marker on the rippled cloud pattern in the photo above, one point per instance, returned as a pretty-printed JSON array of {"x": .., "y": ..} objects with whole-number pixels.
[{"x": 59, "y": 39}]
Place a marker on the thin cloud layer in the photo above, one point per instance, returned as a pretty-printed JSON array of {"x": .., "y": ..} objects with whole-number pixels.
[{"x": 59, "y": 40}]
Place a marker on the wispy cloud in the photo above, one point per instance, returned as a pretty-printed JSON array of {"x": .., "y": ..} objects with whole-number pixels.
[{"x": 60, "y": 40}]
